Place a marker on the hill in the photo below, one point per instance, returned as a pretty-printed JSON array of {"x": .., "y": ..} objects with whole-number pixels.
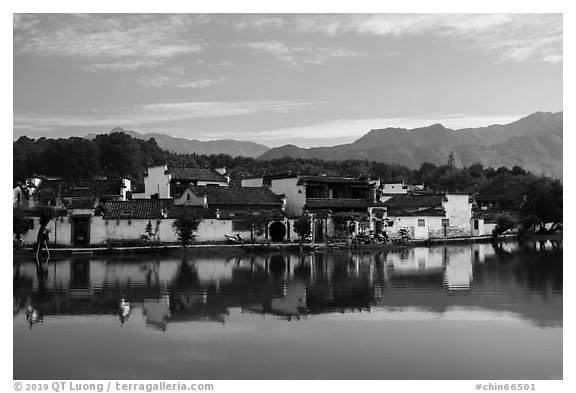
[
  {"x": 188, "y": 146},
  {"x": 533, "y": 142}
]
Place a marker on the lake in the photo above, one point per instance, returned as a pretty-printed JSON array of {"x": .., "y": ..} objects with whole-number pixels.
[{"x": 473, "y": 311}]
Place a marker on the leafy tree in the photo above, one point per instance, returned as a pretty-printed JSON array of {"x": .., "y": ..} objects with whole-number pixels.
[
  {"x": 303, "y": 227},
  {"x": 518, "y": 171},
  {"x": 185, "y": 224},
  {"x": 149, "y": 232},
  {"x": 451, "y": 160},
  {"x": 543, "y": 199},
  {"x": 20, "y": 225},
  {"x": 476, "y": 171},
  {"x": 503, "y": 223},
  {"x": 529, "y": 222},
  {"x": 258, "y": 223},
  {"x": 46, "y": 215},
  {"x": 101, "y": 210},
  {"x": 120, "y": 154}
]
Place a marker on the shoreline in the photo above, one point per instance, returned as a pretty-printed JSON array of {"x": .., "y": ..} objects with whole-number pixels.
[{"x": 215, "y": 248}]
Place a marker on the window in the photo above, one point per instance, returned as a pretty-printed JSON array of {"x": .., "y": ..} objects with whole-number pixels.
[
  {"x": 476, "y": 224},
  {"x": 421, "y": 222},
  {"x": 188, "y": 196},
  {"x": 445, "y": 222}
]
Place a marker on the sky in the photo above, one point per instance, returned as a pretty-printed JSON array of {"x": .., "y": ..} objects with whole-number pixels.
[{"x": 275, "y": 79}]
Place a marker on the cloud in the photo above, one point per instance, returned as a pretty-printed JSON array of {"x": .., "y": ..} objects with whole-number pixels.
[
  {"x": 301, "y": 54},
  {"x": 159, "y": 113},
  {"x": 260, "y": 23},
  {"x": 516, "y": 37},
  {"x": 105, "y": 42},
  {"x": 121, "y": 65},
  {"x": 108, "y": 42},
  {"x": 177, "y": 81}
]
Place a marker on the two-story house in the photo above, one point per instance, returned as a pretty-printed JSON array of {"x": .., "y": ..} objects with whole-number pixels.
[
  {"x": 235, "y": 203},
  {"x": 87, "y": 193},
  {"x": 319, "y": 193},
  {"x": 163, "y": 181},
  {"x": 430, "y": 216}
]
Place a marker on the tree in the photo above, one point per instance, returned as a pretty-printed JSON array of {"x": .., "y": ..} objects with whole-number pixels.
[
  {"x": 451, "y": 160},
  {"x": 258, "y": 223},
  {"x": 518, "y": 171},
  {"x": 46, "y": 214},
  {"x": 20, "y": 225},
  {"x": 529, "y": 223},
  {"x": 503, "y": 223},
  {"x": 543, "y": 199},
  {"x": 149, "y": 232},
  {"x": 303, "y": 227},
  {"x": 185, "y": 224}
]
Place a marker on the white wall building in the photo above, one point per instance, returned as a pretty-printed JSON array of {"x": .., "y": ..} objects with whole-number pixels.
[{"x": 163, "y": 181}]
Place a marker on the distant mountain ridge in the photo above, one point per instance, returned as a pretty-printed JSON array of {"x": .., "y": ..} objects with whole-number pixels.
[
  {"x": 188, "y": 146},
  {"x": 533, "y": 142}
]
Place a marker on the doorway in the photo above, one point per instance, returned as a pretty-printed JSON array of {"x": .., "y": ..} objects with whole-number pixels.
[
  {"x": 277, "y": 231},
  {"x": 80, "y": 231}
]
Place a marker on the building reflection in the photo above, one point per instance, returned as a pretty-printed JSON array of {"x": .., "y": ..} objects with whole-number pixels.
[{"x": 291, "y": 286}]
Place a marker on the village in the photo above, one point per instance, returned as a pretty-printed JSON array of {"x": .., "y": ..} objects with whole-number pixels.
[{"x": 104, "y": 212}]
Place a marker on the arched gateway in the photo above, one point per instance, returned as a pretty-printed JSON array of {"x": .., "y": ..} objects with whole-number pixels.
[{"x": 277, "y": 231}]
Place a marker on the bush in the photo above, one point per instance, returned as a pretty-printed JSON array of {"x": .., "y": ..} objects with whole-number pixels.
[
  {"x": 185, "y": 224},
  {"x": 503, "y": 224}
]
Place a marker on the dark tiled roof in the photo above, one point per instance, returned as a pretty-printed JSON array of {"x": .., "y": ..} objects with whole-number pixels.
[
  {"x": 267, "y": 179},
  {"x": 79, "y": 188},
  {"x": 336, "y": 203},
  {"x": 238, "y": 195},
  {"x": 421, "y": 201},
  {"x": 331, "y": 179},
  {"x": 149, "y": 209},
  {"x": 194, "y": 174},
  {"x": 431, "y": 212},
  {"x": 200, "y": 210},
  {"x": 35, "y": 212},
  {"x": 138, "y": 209},
  {"x": 81, "y": 203}
]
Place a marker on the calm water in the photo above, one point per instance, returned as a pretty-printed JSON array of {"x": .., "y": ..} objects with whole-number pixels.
[{"x": 449, "y": 312}]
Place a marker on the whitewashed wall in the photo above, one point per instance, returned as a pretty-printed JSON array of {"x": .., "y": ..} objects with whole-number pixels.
[
  {"x": 254, "y": 182},
  {"x": 157, "y": 181},
  {"x": 61, "y": 231},
  {"x": 295, "y": 194},
  {"x": 480, "y": 230},
  {"x": 458, "y": 210},
  {"x": 208, "y": 230},
  {"x": 431, "y": 225}
]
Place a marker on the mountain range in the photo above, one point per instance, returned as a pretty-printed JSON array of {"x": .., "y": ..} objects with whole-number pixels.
[
  {"x": 188, "y": 146},
  {"x": 533, "y": 142}
]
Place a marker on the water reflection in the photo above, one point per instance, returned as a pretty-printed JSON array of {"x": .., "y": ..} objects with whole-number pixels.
[{"x": 524, "y": 279}]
